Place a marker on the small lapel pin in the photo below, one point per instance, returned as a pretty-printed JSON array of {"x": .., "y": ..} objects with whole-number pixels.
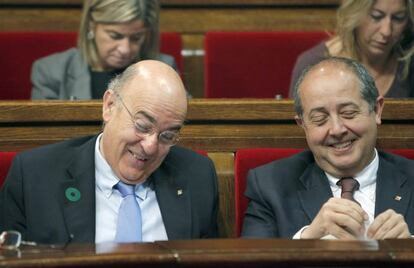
[
  {"x": 72, "y": 194},
  {"x": 397, "y": 198},
  {"x": 179, "y": 192}
]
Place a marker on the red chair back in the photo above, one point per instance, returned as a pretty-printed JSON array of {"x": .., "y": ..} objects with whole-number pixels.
[
  {"x": 6, "y": 159},
  {"x": 245, "y": 160},
  {"x": 407, "y": 153},
  {"x": 171, "y": 44},
  {"x": 21, "y": 49},
  {"x": 253, "y": 64}
]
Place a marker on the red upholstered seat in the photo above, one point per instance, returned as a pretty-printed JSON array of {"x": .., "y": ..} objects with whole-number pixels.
[
  {"x": 5, "y": 162},
  {"x": 171, "y": 44},
  {"x": 408, "y": 153},
  {"x": 246, "y": 159},
  {"x": 202, "y": 152},
  {"x": 253, "y": 64},
  {"x": 20, "y": 49}
]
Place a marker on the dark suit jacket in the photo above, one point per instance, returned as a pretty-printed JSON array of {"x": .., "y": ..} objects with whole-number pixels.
[
  {"x": 286, "y": 195},
  {"x": 33, "y": 199}
]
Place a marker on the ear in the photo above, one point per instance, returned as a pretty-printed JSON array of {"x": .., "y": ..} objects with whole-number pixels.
[
  {"x": 379, "y": 106},
  {"x": 108, "y": 105},
  {"x": 299, "y": 121}
]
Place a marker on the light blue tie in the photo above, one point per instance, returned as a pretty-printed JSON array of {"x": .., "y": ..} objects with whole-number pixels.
[{"x": 129, "y": 227}]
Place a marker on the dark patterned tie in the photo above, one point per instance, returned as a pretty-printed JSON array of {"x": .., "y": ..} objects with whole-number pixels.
[{"x": 349, "y": 185}]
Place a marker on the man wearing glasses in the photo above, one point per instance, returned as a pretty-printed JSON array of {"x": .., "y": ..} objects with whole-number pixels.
[{"x": 72, "y": 191}]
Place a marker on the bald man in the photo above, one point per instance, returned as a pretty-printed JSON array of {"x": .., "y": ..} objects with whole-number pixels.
[
  {"x": 66, "y": 192},
  {"x": 339, "y": 108}
]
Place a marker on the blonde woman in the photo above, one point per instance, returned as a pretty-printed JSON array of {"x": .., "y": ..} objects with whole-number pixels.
[
  {"x": 113, "y": 34},
  {"x": 379, "y": 34}
]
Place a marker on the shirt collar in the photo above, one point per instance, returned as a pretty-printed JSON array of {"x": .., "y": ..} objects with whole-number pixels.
[
  {"x": 106, "y": 178},
  {"x": 365, "y": 178}
]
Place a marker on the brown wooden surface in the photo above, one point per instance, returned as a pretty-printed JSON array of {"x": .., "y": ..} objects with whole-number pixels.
[
  {"x": 185, "y": 3},
  {"x": 218, "y": 253},
  {"x": 212, "y": 125},
  {"x": 217, "y": 126}
]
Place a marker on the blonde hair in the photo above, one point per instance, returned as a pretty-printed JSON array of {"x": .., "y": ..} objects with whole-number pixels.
[
  {"x": 119, "y": 11},
  {"x": 349, "y": 17}
]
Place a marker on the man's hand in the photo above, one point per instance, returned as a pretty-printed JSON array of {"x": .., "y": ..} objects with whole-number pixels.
[
  {"x": 341, "y": 218},
  {"x": 388, "y": 224}
]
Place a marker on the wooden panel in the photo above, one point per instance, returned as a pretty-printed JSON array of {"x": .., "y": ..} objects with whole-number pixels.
[
  {"x": 218, "y": 253},
  {"x": 198, "y": 20},
  {"x": 224, "y": 163},
  {"x": 187, "y": 2},
  {"x": 226, "y": 111}
]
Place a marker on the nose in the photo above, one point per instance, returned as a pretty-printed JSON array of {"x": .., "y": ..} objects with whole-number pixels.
[
  {"x": 337, "y": 128},
  {"x": 149, "y": 143},
  {"x": 124, "y": 46},
  {"x": 386, "y": 27}
]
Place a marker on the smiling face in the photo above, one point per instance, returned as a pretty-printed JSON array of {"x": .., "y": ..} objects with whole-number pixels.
[
  {"x": 382, "y": 27},
  {"x": 340, "y": 129},
  {"x": 118, "y": 44},
  {"x": 156, "y": 99}
]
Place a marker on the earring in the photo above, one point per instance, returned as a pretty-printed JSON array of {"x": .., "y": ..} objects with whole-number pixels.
[{"x": 90, "y": 35}]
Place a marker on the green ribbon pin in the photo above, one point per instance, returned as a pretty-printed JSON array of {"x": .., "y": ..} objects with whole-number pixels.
[{"x": 72, "y": 194}]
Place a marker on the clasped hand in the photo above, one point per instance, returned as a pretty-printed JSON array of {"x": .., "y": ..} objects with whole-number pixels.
[{"x": 345, "y": 219}]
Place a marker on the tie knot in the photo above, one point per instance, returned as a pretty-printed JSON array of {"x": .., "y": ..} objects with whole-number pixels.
[
  {"x": 125, "y": 189},
  {"x": 348, "y": 184}
]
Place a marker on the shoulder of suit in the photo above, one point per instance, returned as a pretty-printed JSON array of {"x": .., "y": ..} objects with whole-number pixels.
[
  {"x": 181, "y": 156},
  {"x": 299, "y": 160},
  {"x": 58, "y": 57},
  {"x": 59, "y": 146},
  {"x": 394, "y": 158}
]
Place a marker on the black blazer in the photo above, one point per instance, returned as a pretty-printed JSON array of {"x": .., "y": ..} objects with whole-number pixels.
[
  {"x": 286, "y": 195},
  {"x": 34, "y": 198}
]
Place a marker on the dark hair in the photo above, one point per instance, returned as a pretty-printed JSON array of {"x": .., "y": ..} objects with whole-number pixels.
[{"x": 368, "y": 89}]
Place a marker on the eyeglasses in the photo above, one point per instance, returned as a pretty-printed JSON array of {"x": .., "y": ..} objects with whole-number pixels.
[
  {"x": 13, "y": 240},
  {"x": 144, "y": 128}
]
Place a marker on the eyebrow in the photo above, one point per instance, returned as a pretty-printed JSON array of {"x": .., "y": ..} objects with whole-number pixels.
[
  {"x": 145, "y": 114},
  {"x": 346, "y": 104},
  {"x": 154, "y": 121},
  {"x": 402, "y": 11},
  {"x": 140, "y": 32},
  {"x": 317, "y": 110},
  {"x": 340, "y": 106}
]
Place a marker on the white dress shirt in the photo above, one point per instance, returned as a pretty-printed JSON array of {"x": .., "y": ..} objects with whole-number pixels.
[
  {"x": 108, "y": 201},
  {"x": 365, "y": 195}
]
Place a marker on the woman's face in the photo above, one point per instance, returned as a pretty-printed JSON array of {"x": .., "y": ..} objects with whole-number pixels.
[
  {"x": 118, "y": 44},
  {"x": 382, "y": 28}
]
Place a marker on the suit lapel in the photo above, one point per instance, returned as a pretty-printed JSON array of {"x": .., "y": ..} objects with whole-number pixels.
[
  {"x": 391, "y": 193},
  {"x": 78, "y": 194},
  {"x": 174, "y": 200},
  {"x": 78, "y": 80},
  {"x": 316, "y": 192}
]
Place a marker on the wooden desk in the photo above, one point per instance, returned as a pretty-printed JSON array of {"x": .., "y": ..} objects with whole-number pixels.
[
  {"x": 217, "y": 126},
  {"x": 218, "y": 253}
]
